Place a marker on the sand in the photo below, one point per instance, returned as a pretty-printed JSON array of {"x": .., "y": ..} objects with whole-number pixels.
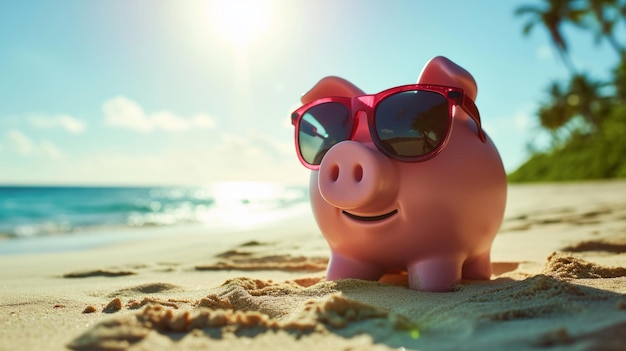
[{"x": 559, "y": 283}]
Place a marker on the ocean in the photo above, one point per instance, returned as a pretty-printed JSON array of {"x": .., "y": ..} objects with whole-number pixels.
[{"x": 52, "y": 211}]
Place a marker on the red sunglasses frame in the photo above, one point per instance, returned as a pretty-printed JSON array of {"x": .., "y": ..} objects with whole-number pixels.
[{"x": 368, "y": 103}]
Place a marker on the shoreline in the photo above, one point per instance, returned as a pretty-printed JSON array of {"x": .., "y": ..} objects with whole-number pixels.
[{"x": 95, "y": 236}]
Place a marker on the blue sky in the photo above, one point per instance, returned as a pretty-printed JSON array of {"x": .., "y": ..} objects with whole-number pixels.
[{"x": 181, "y": 92}]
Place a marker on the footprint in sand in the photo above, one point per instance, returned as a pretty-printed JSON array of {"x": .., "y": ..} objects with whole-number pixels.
[
  {"x": 131, "y": 269},
  {"x": 255, "y": 256},
  {"x": 565, "y": 215},
  {"x": 243, "y": 262},
  {"x": 99, "y": 273},
  {"x": 617, "y": 246},
  {"x": 149, "y": 288}
]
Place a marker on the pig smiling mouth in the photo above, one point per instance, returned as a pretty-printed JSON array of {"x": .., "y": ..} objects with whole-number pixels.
[{"x": 370, "y": 218}]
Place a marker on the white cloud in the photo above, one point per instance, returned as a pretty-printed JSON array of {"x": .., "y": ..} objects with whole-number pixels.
[
  {"x": 522, "y": 121},
  {"x": 125, "y": 113},
  {"x": 202, "y": 120},
  {"x": 168, "y": 121},
  {"x": 24, "y": 146},
  {"x": 545, "y": 52},
  {"x": 50, "y": 150},
  {"x": 67, "y": 122},
  {"x": 247, "y": 157},
  {"x": 19, "y": 142},
  {"x": 254, "y": 156}
]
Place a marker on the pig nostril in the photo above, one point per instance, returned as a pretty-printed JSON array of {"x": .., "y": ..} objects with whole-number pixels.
[
  {"x": 358, "y": 173},
  {"x": 334, "y": 173}
]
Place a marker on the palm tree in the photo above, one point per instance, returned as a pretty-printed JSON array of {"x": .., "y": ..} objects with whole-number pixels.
[
  {"x": 591, "y": 105},
  {"x": 606, "y": 15},
  {"x": 581, "y": 97},
  {"x": 556, "y": 112},
  {"x": 552, "y": 15},
  {"x": 584, "y": 116},
  {"x": 619, "y": 74}
]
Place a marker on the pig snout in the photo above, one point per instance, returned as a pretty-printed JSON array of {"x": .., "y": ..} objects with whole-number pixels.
[{"x": 353, "y": 176}]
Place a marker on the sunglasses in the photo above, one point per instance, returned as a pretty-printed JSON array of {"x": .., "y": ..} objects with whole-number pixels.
[{"x": 409, "y": 123}]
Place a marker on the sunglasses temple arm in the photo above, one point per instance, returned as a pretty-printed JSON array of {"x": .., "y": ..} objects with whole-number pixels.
[{"x": 470, "y": 108}]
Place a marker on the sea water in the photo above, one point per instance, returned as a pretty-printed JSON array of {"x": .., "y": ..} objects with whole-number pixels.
[{"x": 54, "y": 211}]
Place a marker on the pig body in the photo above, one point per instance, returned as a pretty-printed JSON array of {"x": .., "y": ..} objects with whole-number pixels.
[{"x": 436, "y": 219}]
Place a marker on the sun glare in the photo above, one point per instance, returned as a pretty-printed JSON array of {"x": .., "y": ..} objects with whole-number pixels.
[{"x": 240, "y": 22}]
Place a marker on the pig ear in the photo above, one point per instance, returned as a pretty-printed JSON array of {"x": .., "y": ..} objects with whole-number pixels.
[
  {"x": 331, "y": 86},
  {"x": 442, "y": 71}
]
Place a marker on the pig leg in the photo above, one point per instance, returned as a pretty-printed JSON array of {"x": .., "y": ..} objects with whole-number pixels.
[
  {"x": 435, "y": 274},
  {"x": 478, "y": 268},
  {"x": 341, "y": 267}
]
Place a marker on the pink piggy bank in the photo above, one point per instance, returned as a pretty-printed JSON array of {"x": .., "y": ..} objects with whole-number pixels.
[{"x": 405, "y": 179}]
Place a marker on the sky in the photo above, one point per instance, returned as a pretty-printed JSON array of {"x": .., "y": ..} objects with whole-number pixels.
[{"x": 156, "y": 92}]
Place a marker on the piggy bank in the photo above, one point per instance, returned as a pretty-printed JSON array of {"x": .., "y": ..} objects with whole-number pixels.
[{"x": 405, "y": 179}]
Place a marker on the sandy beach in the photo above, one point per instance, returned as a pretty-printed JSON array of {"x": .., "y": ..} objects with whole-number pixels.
[{"x": 559, "y": 283}]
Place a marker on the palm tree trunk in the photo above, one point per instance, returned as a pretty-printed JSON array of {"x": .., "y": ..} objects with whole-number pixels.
[{"x": 568, "y": 62}]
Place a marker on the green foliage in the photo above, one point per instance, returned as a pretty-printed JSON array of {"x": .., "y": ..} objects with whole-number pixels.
[
  {"x": 587, "y": 125},
  {"x": 599, "y": 155}
]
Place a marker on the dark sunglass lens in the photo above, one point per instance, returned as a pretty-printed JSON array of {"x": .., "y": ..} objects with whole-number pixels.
[
  {"x": 412, "y": 123},
  {"x": 321, "y": 127}
]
